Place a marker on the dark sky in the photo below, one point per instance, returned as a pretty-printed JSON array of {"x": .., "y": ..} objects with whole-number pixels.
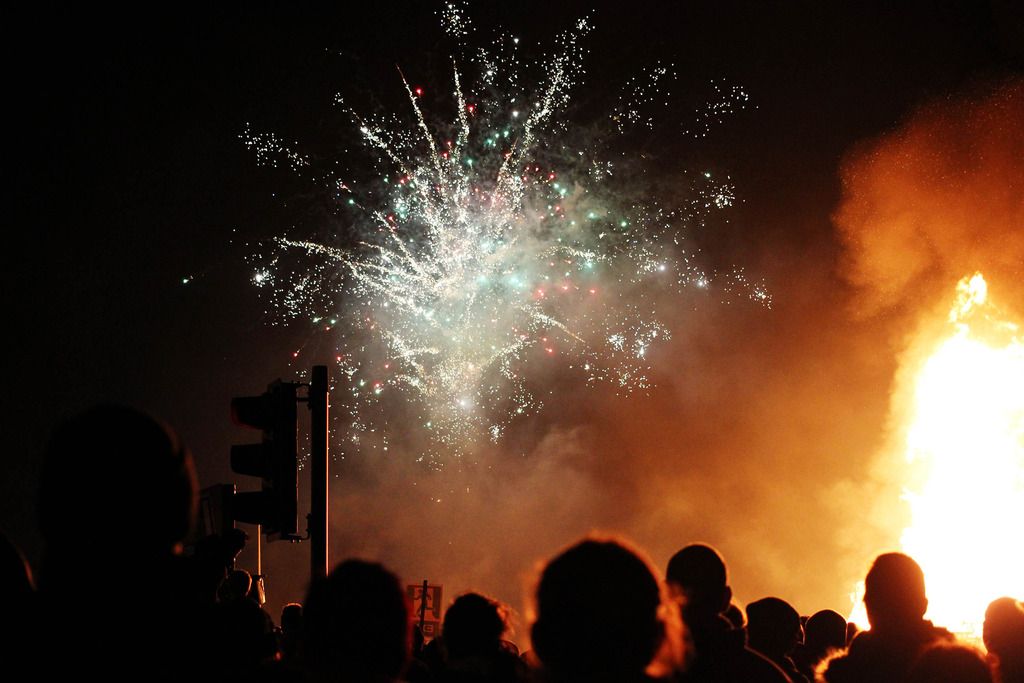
[{"x": 127, "y": 175}]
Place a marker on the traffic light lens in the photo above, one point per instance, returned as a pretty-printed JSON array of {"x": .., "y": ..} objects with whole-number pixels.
[
  {"x": 252, "y": 411},
  {"x": 274, "y": 460},
  {"x": 251, "y": 459}
]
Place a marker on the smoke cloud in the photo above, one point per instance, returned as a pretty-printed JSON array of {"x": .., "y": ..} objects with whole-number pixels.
[
  {"x": 939, "y": 198},
  {"x": 936, "y": 200},
  {"x": 724, "y": 450},
  {"x": 761, "y": 432}
]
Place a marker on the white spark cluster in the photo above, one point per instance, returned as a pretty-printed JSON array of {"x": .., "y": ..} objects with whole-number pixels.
[
  {"x": 725, "y": 101},
  {"x": 499, "y": 251}
]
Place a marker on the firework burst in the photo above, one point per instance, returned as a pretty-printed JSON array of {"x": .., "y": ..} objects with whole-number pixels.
[{"x": 494, "y": 246}]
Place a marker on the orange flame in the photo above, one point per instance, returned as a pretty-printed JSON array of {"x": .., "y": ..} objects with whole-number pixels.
[{"x": 965, "y": 445}]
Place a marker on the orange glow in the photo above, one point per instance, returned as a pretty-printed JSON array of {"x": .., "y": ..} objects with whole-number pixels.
[{"x": 965, "y": 447}]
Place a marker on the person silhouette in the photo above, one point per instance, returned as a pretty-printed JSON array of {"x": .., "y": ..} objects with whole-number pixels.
[
  {"x": 824, "y": 634},
  {"x": 236, "y": 586},
  {"x": 697, "y": 577},
  {"x": 1003, "y": 633},
  {"x": 773, "y": 630},
  {"x": 896, "y": 603},
  {"x": 244, "y": 642},
  {"x": 292, "y": 634},
  {"x": 600, "y": 615},
  {"x": 475, "y": 652},
  {"x": 117, "y": 497},
  {"x": 357, "y": 625}
]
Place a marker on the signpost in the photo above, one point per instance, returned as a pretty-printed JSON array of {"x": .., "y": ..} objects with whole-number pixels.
[{"x": 426, "y": 603}]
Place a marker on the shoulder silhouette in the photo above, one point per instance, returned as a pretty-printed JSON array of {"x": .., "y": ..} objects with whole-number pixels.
[
  {"x": 475, "y": 652},
  {"x": 948, "y": 662},
  {"x": 774, "y": 630},
  {"x": 357, "y": 625},
  {"x": 117, "y": 497},
  {"x": 824, "y": 634},
  {"x": 1004, "y": 638},
  {"x": 697, "y": 576},
  {"x": 896, "y": 602}
]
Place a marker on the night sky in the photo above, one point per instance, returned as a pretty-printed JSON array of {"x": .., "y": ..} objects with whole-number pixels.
[{"x": 128, "y": 177}]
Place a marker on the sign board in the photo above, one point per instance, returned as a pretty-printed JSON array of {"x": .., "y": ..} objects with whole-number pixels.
[{"x": 426, "y": 608}]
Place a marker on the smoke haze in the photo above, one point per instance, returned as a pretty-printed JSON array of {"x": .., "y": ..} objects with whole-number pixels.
[
  {"x": 761, "y": 433},
  {"x": 936, "y": 200}
]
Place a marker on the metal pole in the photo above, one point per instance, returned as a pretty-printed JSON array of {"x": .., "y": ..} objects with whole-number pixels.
[
  {"x": 259, "y": 587},
  {"x": 423, "y": 604},
  {"x": 319, "y": 405}
]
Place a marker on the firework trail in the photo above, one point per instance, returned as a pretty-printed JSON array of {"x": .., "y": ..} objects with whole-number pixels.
[{"x": 494, "y": 247}]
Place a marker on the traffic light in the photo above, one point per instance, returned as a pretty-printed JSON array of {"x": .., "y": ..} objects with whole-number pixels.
[{"x": 274, "y": 460}]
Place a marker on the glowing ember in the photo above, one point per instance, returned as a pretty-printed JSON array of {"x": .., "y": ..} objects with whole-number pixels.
[{"x": 966, "y": 445}]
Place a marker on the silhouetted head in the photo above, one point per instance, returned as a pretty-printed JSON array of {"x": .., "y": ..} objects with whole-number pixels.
[
  {"x": 116, "y": 483},
  {"x": 235, "y": 587},
  {"x": 735, "y": 616},
  {"x": 894, "y": 592},
  {"x": 597, "y": 613},
  {"x": 950, "y": 663},
  {"x": 292, "y": 632},
  {"x": 698, "y": 572},
  {"x": 474, "y": 625},
  {"x": 357, "y": 623},
  {"x": 291, "y": 618},
  {"x": 825, "y": 630},
  {"x": 773, "y": 627},
  {"x": 1004, "y": 629}
]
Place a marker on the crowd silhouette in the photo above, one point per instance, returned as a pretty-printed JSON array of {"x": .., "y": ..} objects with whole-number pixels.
[{"x": 115, "y": 597}]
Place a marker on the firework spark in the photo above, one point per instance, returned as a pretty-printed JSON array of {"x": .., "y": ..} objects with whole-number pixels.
[{"x": 495, "y": 247}]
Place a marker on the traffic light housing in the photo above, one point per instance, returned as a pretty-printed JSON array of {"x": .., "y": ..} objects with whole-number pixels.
[{"x": 275, "y": 506}]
